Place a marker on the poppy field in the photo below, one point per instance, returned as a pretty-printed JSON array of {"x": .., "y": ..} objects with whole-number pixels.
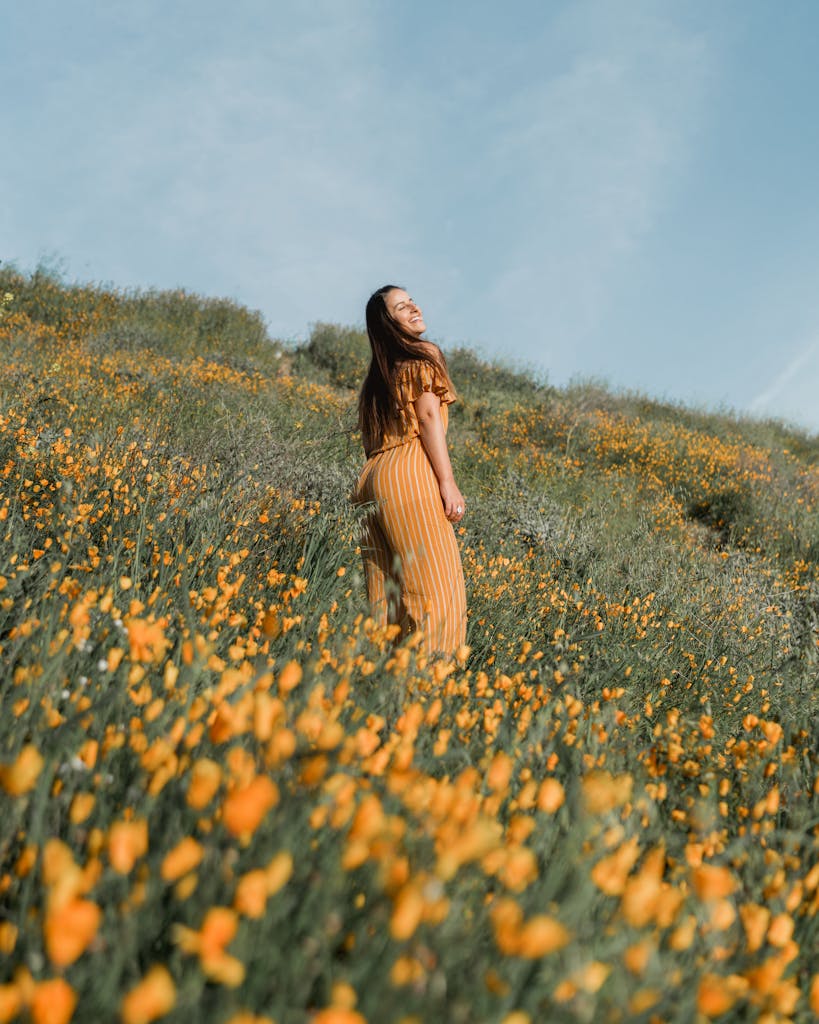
[{"x": 228, "y": 797}]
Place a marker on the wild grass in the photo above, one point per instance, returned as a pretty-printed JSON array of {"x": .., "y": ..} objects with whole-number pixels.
[{"x": 227, "y": 797}]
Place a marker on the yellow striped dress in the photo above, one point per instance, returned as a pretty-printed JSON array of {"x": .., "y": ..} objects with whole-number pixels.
[{"x": 411, "y": 559}]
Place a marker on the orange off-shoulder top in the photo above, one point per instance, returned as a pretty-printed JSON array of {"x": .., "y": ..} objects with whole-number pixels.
[{"x": 412, "y": 380}]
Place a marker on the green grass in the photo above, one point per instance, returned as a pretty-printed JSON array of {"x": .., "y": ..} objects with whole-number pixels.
[{"x": 643, "y": 601}]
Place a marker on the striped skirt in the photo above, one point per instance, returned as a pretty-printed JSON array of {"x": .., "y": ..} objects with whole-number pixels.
[{"x": 411, "y": 559}]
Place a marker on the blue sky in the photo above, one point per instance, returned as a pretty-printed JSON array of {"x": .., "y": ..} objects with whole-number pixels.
[{"x": 623, "y": 190}]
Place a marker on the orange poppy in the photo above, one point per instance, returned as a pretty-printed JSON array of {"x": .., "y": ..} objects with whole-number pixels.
[
  {"x": 53, "y": 1002},
  {"x": 716, "y": 995},
  {"x": 755, "y": 920},
  {"x": 500, "y": 772},
  {"x": 551, "y": 796},
  {"x": 602, "y": 791},
  {"x": 81, "y": 806},
  {"x": 541, "y": 935},
  {"x": 184, "y": 857},
  {"x": 712, "y": 881},
  {"x": 338, "y": 1015},
  {"x": 407, "y": 912},
  {"x": 278, "y": 871},
  {"x": 11, "y": 1002},
  {"x": 21, "y": 775},
  {"x": 151, "y": 998},
  {"x": 244, "y": 809},
  {"x": 69, "y": 929},
  {"x": 289, "y": 677},
  {"x": 610, "y": 873},
  {"x": 127, "y": 841},
  {"x": 206, "y": 777},
  {"x": 251, "y": 894}
]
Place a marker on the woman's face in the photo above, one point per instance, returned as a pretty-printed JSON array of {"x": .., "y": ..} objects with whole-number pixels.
[{"x": 404, "y": 311}]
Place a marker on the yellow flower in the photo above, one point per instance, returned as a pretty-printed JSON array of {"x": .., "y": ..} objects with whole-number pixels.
[
  {"x": 244, "y": 809},
  {"x": 53, "y": 1002},
  {"x": 551, "y": 796},
  {"x": 716, "y": 995},
  {"x": 184, "y": 857},
  {"x": 541, "y": 935},
  {"x": 712, "y": 881},
  {"x": 610, "y": 873},
  {"x": 206, "y": 777},
  {"x": 151, "y": 998},
  {"x": 127, "y": 841},
  {"x": 69, "y": 929},
  {"x": 602, "y": 791},
  {"x": 21, "y": 775}
]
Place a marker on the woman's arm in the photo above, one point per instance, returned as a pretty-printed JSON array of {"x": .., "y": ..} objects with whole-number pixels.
[{"x": 433, "y": 438}]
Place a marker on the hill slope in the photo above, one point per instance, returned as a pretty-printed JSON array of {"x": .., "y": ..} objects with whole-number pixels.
[{"x": 226, "y": 792}]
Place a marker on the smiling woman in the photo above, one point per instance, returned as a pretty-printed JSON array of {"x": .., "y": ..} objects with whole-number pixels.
[{"x": 411, "y": 558}]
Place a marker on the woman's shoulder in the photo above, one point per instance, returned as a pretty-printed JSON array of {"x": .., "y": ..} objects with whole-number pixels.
[
  {"x": 429, "y": 355},
  {"x": 414, "y": 369},
  {"x": 414, "y": 376}
]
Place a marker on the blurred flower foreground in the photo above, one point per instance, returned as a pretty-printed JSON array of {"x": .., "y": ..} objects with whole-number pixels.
[{"x": 228, "y": 797}]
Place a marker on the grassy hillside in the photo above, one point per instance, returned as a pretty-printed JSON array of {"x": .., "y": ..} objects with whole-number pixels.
[{"x": 227, "y": 797}]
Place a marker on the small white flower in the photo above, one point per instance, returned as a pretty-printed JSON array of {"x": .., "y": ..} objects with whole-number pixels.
[
  {"x": 83, "y": 680},
  {"x": 65, "y": 694},
  {"x": 434, "y": 889},
  {"x": 102, "y": 665}
]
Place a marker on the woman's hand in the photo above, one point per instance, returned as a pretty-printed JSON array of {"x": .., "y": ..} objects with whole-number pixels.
[
  {"x": 454, "y": 502},
  {"x": 431, "y": 427}
]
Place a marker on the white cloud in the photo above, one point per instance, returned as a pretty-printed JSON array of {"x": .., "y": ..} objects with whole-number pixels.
[
  {"x": 509, "y": 168},
  {"x": 295, "y": 155},
  {"x": 793, "y": 393},
  {"x": 247, "y": 163},
  {"x": 589, "y": 155}
]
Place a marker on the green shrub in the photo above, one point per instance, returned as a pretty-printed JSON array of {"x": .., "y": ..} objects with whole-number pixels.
[
  {"x": 475, "y": 377},
  {"x": 343, "y": 352},
  {"x": 181, "y": 590}
]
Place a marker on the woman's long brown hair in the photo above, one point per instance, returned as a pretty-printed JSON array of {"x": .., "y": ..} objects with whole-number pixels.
[{"x": 391, "y": 347}]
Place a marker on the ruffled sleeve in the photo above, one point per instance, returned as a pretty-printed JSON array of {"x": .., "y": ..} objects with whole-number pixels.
[
  {"x": 411, "y": 381},
  {"x": 419, "y": 376}
]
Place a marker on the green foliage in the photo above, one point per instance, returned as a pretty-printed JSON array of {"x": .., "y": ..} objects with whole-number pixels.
[
  {"x": 644, "y": 598},
  {"x": 175, "y": 324},
  {"x": 343, "y": 352},
  {"x": 478, "y": 378}
]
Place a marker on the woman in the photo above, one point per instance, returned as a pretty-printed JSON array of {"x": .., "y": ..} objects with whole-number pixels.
[{"x": 411, "y": 558}]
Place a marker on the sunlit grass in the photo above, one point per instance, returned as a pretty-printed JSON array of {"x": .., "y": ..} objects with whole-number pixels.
[{"x": 227, "y": 797}]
